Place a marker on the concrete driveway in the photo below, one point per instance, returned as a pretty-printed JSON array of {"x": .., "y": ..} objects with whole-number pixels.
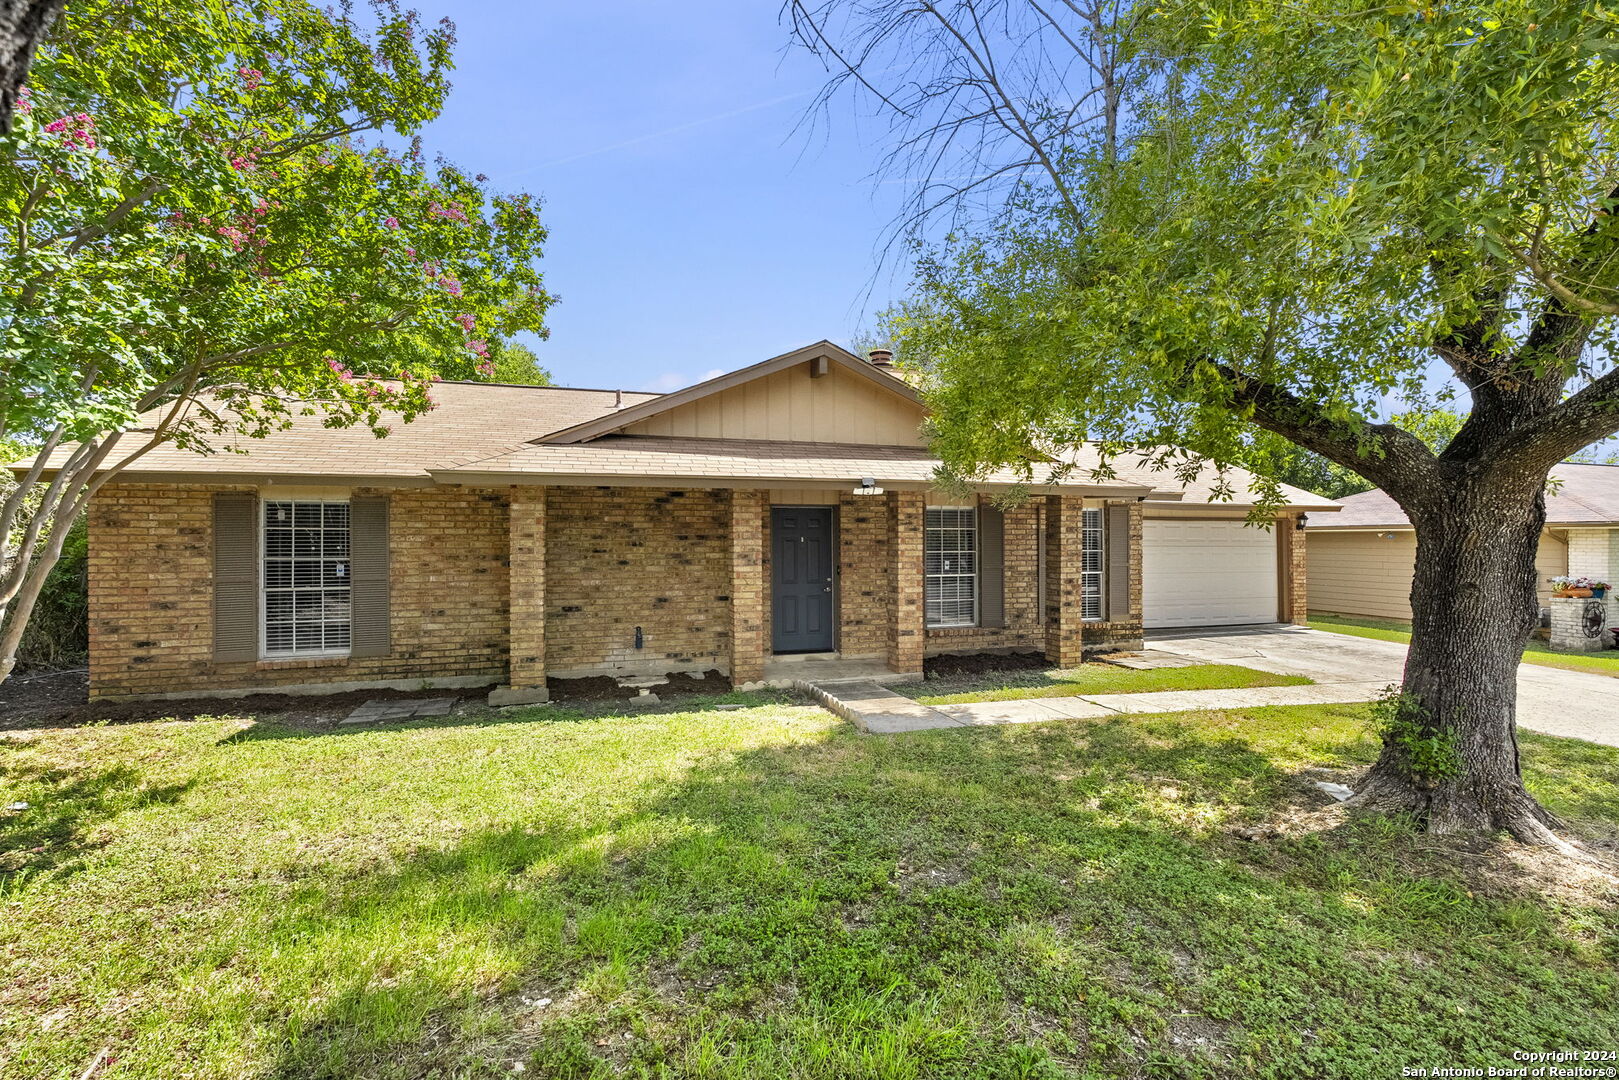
[{"x": 1551, "y": 700}]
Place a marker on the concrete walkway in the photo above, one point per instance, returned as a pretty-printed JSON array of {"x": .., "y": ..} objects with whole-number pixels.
[{"x": 1345, "y": 669}]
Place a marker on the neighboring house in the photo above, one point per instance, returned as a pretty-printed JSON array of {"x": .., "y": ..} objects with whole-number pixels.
[
  {"x": 519, "y": 533},
  {"x": 1361, "y": 558}
]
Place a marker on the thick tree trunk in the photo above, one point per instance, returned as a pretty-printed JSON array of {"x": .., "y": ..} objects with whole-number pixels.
[
  {"x": 22, "y": 24},
  {"x": 1450, "y": 753}
]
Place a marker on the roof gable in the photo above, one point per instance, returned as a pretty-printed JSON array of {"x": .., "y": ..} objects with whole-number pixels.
[{"x": 820, "y": 393}]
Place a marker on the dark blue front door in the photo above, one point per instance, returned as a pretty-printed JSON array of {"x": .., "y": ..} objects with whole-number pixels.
[{"x": 801, "y": 578}]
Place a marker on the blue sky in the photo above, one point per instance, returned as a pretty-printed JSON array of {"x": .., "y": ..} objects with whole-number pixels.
[{"x": 692, "y": 230}]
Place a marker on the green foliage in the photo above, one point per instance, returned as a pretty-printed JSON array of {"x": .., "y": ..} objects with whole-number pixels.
[
  {"x": 1309, "y": 202},
  {"x": 516, "y": 363},
  {"x": 58, "y": 634},
  {"x": 186, "y": 203},
  {"x": 1430, "y": 750}
]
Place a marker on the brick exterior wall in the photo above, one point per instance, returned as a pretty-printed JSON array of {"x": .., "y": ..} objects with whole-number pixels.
[
  {"x": 1064, "y": 539},
  {"x": 1121, "y": 631},
  {"x": 750, "y": 620},
  {"x": 906, "y": 637},
  {"x": 526, "y": 554},
  {"x": 1025, "y": 628},
  {"x": 618, "y": 558},
  {"x": 151, "y": 594},
  {"x": 863, "y": 575},
  {"x": 1295, "y": 569}
]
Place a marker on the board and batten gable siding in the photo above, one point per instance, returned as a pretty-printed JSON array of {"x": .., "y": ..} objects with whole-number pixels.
[
  {"x": 1363, "y": 573},
  {"x": 790, "y": 405}
]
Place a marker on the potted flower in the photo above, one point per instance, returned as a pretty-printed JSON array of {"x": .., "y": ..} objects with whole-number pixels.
[{"x": 1579, "y": 586}]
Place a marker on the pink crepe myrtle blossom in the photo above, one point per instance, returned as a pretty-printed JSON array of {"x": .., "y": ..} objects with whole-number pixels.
[
  {"x": 392, "y": 223},
  {"x": 75, "y": 130},
  {"x": 467, "y": 321},
  {"x": 24, "y": 105},
  {"x": 487, "y": 369},
  {"x": 448, "y": 213},
  {"x": 479, "y": 346},
  {"x": 451, "y": 286},
  {"x": 252, "y": 78}
]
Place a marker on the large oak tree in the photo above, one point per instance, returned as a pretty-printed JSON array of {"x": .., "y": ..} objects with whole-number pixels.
[{"x": 1243, "y": 224}]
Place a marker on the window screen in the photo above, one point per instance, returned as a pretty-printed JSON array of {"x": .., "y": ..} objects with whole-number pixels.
[
  {"x": 950, "y": 555},
  {"x": 306, "y": 577},
  {"x": 1090, "y": 565}
]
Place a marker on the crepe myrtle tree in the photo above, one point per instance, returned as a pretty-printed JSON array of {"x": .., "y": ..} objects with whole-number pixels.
[
  {"x": 1242, "y": 224},
  {"x": 198, "y": 246}
]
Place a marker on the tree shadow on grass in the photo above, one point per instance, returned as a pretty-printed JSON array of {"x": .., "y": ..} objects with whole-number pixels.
[
  {"x": 276, "y": 728},
  {"x": 1000, "y": 902},
  {"x": 65, "y": 810}
]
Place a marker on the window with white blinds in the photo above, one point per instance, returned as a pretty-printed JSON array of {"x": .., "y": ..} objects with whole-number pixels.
[
  {"x": 307, "y": 576},
  {"x": 950, "y": 558},
  {"x": 1090, "y": 565}
]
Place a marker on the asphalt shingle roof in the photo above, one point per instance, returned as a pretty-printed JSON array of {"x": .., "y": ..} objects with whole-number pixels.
[
  {"x": 1580, "y": 495},
  {"x": 472, "y": 420}
]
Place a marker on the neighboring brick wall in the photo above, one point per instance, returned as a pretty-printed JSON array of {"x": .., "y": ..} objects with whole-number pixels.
[
  {"x": 151, "y": 594},
  {"x": 750, "y": 621},
  {"x": 906, "y": 638},
  {"x": 863, "y": 576},
  {"x": 1024, "y": 627},
  {"x": 527, "y": 571},
  {"x": 618, "y": 558}
]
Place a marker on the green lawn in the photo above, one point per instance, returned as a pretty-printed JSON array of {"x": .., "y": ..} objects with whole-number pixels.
[
  {"x": 1536, "y": 652},
  {"x": 1091, "y": 679},
  {"x": 765, "y": 893}
]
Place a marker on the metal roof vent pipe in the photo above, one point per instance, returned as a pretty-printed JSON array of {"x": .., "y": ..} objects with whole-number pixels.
[{"x": 883, "y": 358}]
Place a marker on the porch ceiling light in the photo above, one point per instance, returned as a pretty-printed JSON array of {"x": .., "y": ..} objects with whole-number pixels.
[{"x": 868, "y": 486}]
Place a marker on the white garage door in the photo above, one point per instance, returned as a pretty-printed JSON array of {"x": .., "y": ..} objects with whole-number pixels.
[{"x": 1207, "y": 573}]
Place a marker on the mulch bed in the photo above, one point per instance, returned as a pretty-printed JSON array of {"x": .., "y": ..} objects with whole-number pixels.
[
  {"x": 60, "y": 699},
  {"x": 603, "y": 688},
  {"x": 953, "y": 666}
]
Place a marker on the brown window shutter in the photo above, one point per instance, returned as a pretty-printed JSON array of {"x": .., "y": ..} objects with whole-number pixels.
[
  {"x": 1116, "y": 533},
  {"x": 368, "y": 590},
  {"x": 236, "y": 577},
  {"x": 991, "y": 566}
]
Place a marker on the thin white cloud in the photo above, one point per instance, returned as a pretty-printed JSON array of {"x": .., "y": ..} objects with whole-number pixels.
[{"x": 670, "y": 381}]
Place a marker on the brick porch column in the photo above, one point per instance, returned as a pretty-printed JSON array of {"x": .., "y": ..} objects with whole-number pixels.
[
  {"x": 526, "y": 562},
  {"x": 906, "y": 633},
  {"x": 1064, "y": 541},
  {"x": 1295, "y": 579},
  {"x": 748, "y": 615}
]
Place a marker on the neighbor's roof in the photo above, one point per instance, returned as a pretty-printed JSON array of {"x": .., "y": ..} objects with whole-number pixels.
[
  {"x": 1580, "y": 495},
  {"x": 472, "y": 420}
]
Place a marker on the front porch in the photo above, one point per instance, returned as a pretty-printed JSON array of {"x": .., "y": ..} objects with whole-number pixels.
[{"x": 633, "y": 581}]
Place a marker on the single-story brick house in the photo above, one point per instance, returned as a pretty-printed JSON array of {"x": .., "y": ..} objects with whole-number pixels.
[
  {"x": 515, "y": 533},
  {"x": 1361, "y": 557}
]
